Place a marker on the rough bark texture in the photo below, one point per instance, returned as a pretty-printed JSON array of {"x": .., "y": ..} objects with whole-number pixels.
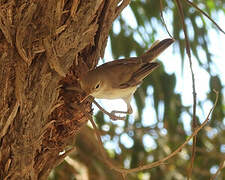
[{"x": 44, "y": 47}]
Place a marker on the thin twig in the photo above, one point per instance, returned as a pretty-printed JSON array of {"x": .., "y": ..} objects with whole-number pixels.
[
  {"x": 163, "y": 20},
  {"x": 124, "y": 171},
  {"x": 61, "y": 158},
  {"x": 193, "y": 151},
  {"x": 222, "y": 165},
  {"x": 196, "y": 7},
  {"x": 120, "y": 7},
  {"x": 194, "y": 121}
]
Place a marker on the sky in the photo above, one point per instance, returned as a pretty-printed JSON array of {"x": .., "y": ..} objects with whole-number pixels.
[{"x": 172, "y": 62}]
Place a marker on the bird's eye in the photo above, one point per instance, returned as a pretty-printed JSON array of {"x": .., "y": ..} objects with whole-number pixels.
[{"x": 97, "y": 86}]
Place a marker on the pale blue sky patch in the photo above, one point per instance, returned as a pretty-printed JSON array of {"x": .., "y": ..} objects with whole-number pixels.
[
  {"x": 126, "y": 140},
  {"x": 213, "y": 169},
  {"x": 116, "y": 27},
  {"x": 222, "y": 148},
  {"x": 149, "y": 142},
  {"x": 129, "y": 17}
]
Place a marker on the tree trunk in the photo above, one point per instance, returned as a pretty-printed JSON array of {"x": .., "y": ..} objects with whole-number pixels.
[{"x": 46, "y": 46}]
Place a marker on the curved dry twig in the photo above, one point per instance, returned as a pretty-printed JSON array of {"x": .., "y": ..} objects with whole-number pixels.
[
  {"x": 222, "y": 165},
  {"x": 162, "y": 18},
  {"x": 188, "y": 51},
  {"x": 196, "y": 7},
  {"x": 124, "y": 171}
]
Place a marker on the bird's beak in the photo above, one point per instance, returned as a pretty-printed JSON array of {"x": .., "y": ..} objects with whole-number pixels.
[
  {"x": 87, "y": 94},
  {"x": 84, "y": 98},
  {"x": 157, "y": 49}
]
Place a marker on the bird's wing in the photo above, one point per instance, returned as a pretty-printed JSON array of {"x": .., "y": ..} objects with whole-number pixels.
[
  {"x": 144, "y": 71},
  {"x": 132, "y": 60},
  {"x": 139, "y": 75},
  {"x": 119, "y": 73}
]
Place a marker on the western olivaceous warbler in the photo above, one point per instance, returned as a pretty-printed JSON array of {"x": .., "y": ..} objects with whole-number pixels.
[{"x": 119, "y": 79}]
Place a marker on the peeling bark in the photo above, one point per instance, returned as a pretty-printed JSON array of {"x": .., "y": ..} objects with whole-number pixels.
[{"x": 44, "y": 47}]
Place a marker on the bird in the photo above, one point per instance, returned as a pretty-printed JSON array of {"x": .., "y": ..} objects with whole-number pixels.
[{"x": 119, "y": 79}]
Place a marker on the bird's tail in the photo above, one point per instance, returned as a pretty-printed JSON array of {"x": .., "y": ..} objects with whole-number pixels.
[{"x": 156, "y": 49}]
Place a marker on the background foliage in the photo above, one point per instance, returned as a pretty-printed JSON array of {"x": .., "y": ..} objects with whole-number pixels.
[{"x": 168, "y": 130}]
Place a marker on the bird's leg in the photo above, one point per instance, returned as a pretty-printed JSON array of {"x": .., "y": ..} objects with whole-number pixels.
[
  {"x": 111, "y": 115},
  {"x": 129, "y": 110},
  {"x": 127, "y": 100}
]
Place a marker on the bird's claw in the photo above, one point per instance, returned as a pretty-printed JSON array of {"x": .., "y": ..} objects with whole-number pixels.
[{"x": 114, "y": 117}]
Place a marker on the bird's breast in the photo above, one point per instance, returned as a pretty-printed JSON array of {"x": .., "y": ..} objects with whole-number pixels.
[{"x": 112, "y": 93}]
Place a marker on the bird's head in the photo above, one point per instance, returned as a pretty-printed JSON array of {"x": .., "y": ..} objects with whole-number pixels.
[{"x": 90, "y": 83}]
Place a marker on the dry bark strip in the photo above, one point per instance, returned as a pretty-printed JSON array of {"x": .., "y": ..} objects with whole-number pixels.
[{"x": 44, "y": 46}]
